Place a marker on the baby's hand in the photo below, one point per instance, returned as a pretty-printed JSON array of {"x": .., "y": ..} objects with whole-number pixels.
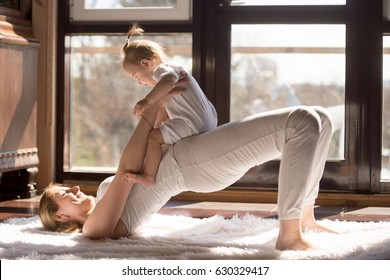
[
  {"x": 140, "y": 107},
  {"x": 183, "y": 80},
  {"x": 180, "y": 86}
]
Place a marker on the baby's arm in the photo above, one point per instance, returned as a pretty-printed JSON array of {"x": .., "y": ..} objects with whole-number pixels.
[{"x": 165, "y": 85}]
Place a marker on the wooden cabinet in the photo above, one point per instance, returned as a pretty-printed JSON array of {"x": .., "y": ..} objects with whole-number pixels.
[{"x": 18, "y": 105}]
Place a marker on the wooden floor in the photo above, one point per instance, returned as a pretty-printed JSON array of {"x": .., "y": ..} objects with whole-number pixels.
[{"x": 29, "y": 207}]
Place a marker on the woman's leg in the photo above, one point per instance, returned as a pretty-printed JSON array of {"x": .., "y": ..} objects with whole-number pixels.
[
  {"x": 290, "y": 234},
  {"x": 216, "y": 159},
  {"x": 320, "y": 155},
  {"x": 153, "y": 157},
  {"x": 308, "y": 220},
  {"x": 297, "y": 162},
  {"x": 103, "y": 220}
]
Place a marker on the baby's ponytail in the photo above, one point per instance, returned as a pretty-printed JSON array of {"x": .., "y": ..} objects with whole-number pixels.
[
  {"x": 134, "y": 30},
  {"x": 136, "y": 50}
]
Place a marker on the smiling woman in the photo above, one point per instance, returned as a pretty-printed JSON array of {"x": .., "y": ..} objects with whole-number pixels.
[
  {"x": 73, "y": 196},
  {"x": 55, "y": 199}
]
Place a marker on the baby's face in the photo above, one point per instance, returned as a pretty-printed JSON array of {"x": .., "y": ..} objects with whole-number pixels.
[{"x": 141, "y": 72}]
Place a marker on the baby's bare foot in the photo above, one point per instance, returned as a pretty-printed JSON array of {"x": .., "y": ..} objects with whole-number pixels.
[
  {"x": 129, "y": 177},
  {"x": 142, "y": 179}
]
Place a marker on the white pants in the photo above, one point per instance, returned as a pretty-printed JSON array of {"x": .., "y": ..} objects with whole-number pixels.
[{"x": 299, "y": 135}]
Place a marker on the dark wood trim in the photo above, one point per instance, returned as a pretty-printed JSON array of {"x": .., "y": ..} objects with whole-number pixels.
[
  {"x": 60, "y": 110},
  {"x": 197, "y": 42},
  {"x": 22, "y": 12},
  {"x": 368, "y": 43}
]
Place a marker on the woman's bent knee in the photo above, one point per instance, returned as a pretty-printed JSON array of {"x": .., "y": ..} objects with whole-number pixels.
[
  {"x": 305, "y": 119},
  {"x": 326, "y": 119}
]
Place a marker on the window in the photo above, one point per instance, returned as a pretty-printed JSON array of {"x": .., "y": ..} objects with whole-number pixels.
[
  {"x": 102, "y": 98},
  {"x": 116, "y": 10},
  {"x": 248, "y": 56},
  {"x": 287, "y": 65}
]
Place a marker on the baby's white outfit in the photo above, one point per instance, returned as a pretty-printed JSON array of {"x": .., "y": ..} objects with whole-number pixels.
[{"x": 190, "y": 113}]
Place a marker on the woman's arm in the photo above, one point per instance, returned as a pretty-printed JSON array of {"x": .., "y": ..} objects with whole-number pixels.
[{"x": 103, "y": 220}]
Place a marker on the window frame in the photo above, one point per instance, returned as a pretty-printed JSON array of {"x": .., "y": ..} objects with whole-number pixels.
[
  {"x": 78, "y": 13},
  {"x": 360, "y": 171},
  {"x": 335, "y": 177}
]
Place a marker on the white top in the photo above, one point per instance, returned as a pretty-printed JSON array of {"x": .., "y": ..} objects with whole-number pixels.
[
  {"x": 190, "y": 113},
  {"x": 143, "y": 202}
]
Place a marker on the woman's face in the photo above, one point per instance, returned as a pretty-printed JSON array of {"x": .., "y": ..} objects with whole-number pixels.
[{"x": 73, "y": 205}]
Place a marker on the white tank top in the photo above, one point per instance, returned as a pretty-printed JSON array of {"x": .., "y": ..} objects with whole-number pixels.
[{"x": 143, "y": 202}]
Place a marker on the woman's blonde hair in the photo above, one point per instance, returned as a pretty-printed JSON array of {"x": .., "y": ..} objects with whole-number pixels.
[
  {"x": 135, "y": 50},
  {"x": 48, "y": 208}
]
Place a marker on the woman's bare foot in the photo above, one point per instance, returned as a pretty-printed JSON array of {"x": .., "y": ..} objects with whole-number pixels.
[
  {"x": 290, "y": 243},
  {"x": 314, "y": 226},
  {"x": 308, "y": 221},
  {"x": 290, "y": 236},
  {"x": 142, "y": 179}
]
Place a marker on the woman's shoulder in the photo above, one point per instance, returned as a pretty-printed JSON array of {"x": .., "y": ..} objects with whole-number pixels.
[{"x": 103, "y": 188}]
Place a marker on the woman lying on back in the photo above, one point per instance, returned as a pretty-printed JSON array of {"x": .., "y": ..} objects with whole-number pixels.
[{"x": 208, "y": 162}]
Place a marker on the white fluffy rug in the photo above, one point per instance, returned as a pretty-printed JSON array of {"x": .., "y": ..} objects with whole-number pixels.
[{"x": 180, "y": 237}]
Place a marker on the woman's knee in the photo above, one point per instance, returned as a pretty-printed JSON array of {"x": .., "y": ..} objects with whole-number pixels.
[
  {"x": 305, "y": 118},
  {"x": 326, "y": 119}
]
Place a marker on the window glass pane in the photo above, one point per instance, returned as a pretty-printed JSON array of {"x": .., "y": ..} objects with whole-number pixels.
[
  {"x": 118, "y": 4},
  {"x": 102, "y": 98},
  {"x": 285, "y": 2},
  {"x": 385, "y": 174},
  {"x": 286, "y": 65}
]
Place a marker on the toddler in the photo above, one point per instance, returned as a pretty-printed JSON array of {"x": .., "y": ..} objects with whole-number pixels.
[{"x": 183, "y": 115}]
